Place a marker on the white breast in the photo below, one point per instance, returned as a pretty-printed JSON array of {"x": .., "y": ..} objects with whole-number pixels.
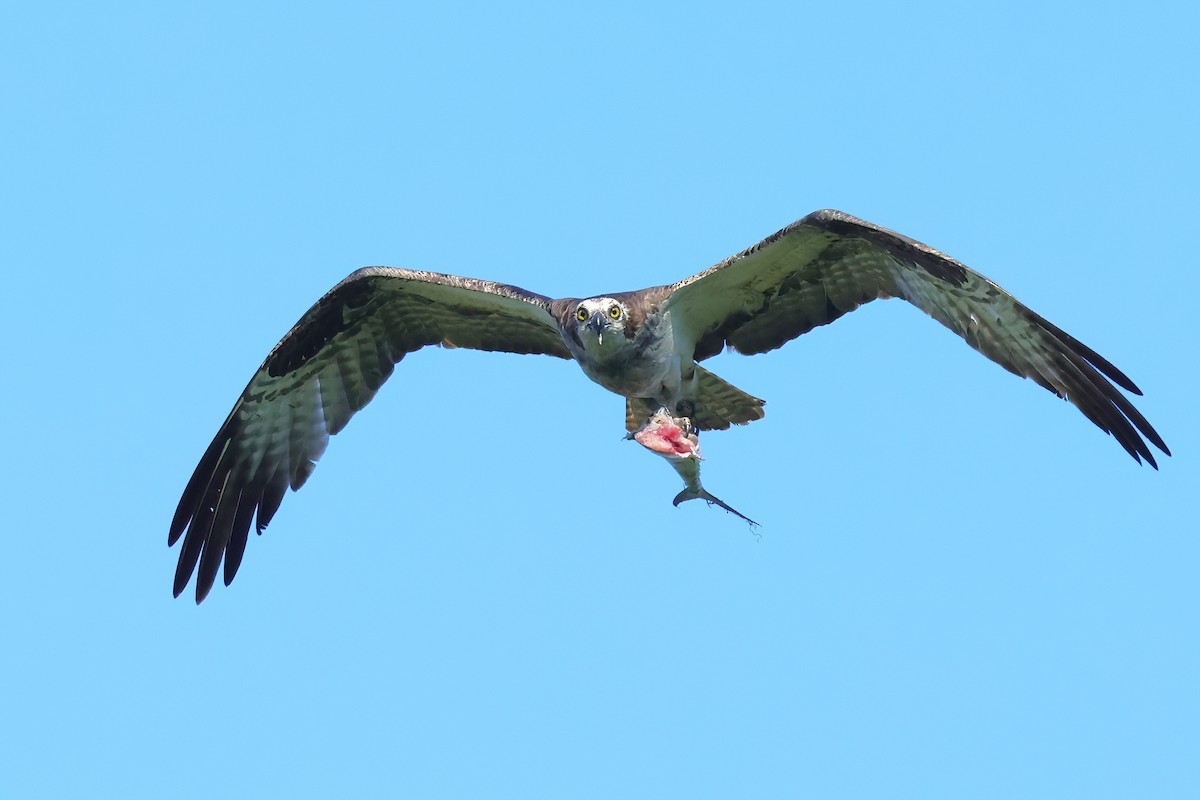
[{"x": 655, "y": 371}]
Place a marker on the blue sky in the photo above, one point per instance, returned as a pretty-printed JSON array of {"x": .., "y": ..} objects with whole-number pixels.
[{"x": 962, "y": 588}]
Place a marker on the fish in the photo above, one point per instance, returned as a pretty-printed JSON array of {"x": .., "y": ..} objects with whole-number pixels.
[{"x": 678, "y": 442}]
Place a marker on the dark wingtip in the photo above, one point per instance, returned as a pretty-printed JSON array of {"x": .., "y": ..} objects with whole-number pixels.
[
  {"x": 203, "y": 587},
  {"x": 1084, "y": 371},
  {"x": 1091, "y": 356}
]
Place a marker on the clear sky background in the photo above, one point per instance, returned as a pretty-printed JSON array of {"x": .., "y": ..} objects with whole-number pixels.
[{"x": 962, "y": 588}]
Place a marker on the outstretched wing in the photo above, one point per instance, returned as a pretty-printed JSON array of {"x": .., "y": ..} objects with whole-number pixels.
[
  {"x": 829, "y": 263},
  {"x": 328, "y": 366}
]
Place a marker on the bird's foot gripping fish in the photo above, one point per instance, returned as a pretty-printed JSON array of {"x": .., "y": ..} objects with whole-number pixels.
[
  {"x": 677, "y": 441},
  {"x": 644, "y": 345}
]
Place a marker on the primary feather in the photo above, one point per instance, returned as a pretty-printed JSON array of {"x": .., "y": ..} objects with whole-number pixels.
[{"x": 331, "y": 363}]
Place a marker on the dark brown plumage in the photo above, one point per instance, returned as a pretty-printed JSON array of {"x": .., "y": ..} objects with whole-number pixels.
[{"x": 810, "y": 273}]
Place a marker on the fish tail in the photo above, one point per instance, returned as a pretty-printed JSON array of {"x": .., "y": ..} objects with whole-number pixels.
[{"x": 698, "y": 492}]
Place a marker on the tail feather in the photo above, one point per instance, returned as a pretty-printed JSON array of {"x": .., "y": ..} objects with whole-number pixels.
[{"x": 718, "y": 404}]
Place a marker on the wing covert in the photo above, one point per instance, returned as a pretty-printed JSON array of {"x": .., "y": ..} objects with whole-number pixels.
[{"x": 829, "y": 263}]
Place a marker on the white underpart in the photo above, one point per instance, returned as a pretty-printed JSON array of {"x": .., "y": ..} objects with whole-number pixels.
[{"x": 673, "y": 355}]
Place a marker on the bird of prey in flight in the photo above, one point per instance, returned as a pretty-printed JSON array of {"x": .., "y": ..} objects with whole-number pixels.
[{"x": 644, "y": 345}]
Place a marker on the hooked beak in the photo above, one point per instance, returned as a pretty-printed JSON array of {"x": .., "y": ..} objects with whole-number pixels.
[{"x": 597, "y": 324}]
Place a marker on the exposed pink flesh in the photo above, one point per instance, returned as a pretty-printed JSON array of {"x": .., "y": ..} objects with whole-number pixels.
[{"x": 666, "y": 438}]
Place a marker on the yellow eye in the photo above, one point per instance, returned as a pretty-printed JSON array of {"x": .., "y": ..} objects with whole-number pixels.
[
  {"x": 581, "y": 314},
  {"x": 614, "y": 311}
]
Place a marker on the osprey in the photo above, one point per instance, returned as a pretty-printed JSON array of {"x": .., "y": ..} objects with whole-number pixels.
[{"x": 643, "y": 345}]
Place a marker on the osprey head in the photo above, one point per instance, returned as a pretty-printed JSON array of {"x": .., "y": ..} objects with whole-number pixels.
[{"x": 601, "y": 318}]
